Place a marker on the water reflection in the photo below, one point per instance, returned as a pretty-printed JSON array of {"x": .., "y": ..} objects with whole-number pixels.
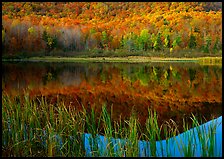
[{"x": 173, "y": 89}]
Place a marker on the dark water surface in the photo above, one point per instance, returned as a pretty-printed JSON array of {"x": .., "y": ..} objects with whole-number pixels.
[{"x": 175, "y": 89}]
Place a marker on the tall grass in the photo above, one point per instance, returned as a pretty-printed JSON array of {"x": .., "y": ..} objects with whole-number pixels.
[
  {"x": 37, "y": 128},
  {"x": 202, "y": 136}
]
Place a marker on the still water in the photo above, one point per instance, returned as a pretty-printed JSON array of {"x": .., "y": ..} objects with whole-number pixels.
[{"x": 174, "y": 90}]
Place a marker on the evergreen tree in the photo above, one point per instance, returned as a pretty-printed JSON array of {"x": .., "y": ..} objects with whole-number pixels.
[
  {"x": 192, "y": 43},
  {"x": 167, "y": 41},
  {"x": 217, "y": 46},
  {"x": 207, "y": 45},
  {"x": 158, "y": 42}
]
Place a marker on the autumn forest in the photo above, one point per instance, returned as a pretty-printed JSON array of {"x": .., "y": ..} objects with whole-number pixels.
[{"x": 111, "y": 28}]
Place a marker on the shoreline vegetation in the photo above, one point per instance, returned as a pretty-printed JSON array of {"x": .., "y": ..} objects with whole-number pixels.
[
  {"x": 128, "y": 59},
  {"x": 47, "y": 130}
]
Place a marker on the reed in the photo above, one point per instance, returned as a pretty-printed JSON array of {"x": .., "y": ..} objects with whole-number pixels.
[
  {"x": 37, "y": 128},
  {"x": 206, "y": 139}
]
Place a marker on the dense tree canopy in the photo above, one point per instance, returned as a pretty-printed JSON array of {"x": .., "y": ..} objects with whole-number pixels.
[{"x": 132, "y": 26}]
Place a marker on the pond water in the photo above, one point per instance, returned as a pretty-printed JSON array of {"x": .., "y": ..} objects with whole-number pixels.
[{"x": 174, "y": 90}]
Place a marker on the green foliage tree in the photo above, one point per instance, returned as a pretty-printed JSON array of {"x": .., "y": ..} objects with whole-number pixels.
[
  {"x": 104, "y": 39},
  {"x": 176, "y": 42},
  {"x": 208, "y": 41},
  {"x": 153, "y": 39},
  {"x": 45, "y": 35},
  {"x": 51, "y": 41},
  {"x": 167, "y": 41},
  {"x": 143, "y": 40},
  {"x": 129, "y": 42},
  {"x": 158, "y": 42},
  {"x": 192, "y": 42},
  {"x": 217, "y": 46}
]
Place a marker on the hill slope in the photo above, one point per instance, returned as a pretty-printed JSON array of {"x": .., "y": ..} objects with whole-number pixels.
[{"x": 131, "y": 26}]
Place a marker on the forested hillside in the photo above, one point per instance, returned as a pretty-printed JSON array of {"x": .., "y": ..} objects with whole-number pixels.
[{"x": 71, "y": 28}]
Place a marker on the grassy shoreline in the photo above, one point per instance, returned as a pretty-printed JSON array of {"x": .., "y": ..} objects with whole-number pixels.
[
  {"x": 129, "y": 59},
  {"x": 45, "y": 130}
]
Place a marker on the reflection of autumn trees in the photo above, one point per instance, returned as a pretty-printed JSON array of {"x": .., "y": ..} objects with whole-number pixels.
[
  {"x": 179, "y": 90},
  {"x": 73, "y": 23},
  {"x": 178, "y": 96},
  {"x": 187, "y": 82}
]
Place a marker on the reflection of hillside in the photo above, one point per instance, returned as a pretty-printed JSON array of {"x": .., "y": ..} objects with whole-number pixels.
[
  {"x": 124, "y": 96},
  {"x": 173, "y": 90},
  {"x": 186, "y": 81}
]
